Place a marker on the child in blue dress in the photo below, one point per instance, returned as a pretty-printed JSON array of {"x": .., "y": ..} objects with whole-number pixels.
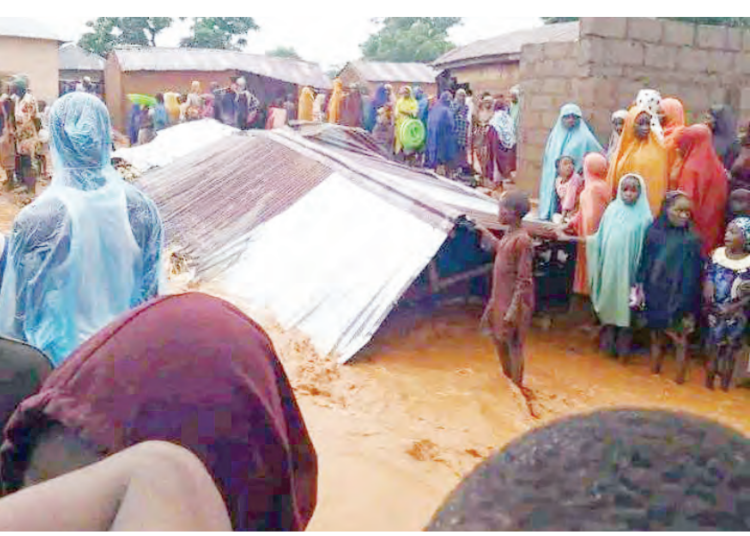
[{"x": 726, "y": 286}]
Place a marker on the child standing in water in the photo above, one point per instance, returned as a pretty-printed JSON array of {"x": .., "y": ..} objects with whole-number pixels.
[
  {"x": 568, "y": 186},
  {"x": 669, "y": 280},
  {"x": 613, "y": 255},
  {"x": 727, "y": 280},
  {"x": 508, "y": 313}
]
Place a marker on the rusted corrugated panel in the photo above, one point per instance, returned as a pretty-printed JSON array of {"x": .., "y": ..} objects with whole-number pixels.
[
  {"x": 74, "y": 58},
  {"x": 380, "y": 71},
  {"x": 509, "y": 43},
  {"x": 198, "y": 59},
  {"x": 212, "y": 200}
]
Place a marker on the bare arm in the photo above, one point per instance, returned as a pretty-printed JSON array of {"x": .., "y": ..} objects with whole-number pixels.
[
  {"x": 487, "y": 234},
  {"x": 153, "y": 486}
]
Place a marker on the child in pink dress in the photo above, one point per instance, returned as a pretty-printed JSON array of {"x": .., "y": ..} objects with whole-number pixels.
[{"x": 569, "y": 186}]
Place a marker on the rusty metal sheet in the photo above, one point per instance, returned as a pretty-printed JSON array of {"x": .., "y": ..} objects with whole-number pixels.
[
  {"x": 198, "y": 59},
  {"x": 508, "y": 44},
  {"x": 381, "y": 71}
]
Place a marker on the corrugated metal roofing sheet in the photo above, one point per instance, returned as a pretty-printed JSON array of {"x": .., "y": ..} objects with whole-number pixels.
[
  {"x": 379, "y": 71},
  {"x": 74, "y": 58},
  {"x": 29, "y": 28},
  {"x": 509, "y": 44},
  {"x": 325, "y": 239},
  {"x": 198, "y": 59},
  {"x": 211, "y": 200},
  {"x": 334, "y": 264}
]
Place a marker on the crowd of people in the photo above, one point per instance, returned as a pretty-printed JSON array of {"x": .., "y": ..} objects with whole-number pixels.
[
  {"x": 445, "y": 133},
  {"x": 663, "y": 220},
  {"x": 98, "y": 370}
]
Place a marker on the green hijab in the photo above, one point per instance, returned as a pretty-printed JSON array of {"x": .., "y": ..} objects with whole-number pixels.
[{"x": 614, "y": 253}]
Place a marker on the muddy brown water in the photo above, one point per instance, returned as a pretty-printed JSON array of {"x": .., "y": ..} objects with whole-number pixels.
[{"x": 426, "y": 401}]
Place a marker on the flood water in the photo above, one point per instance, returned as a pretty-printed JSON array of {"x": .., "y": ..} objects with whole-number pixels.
[{"x": 427, "y": 401}]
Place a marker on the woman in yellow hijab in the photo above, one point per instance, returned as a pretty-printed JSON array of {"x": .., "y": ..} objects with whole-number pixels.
[
  {"x": 641, "y": 153},
  {"x": 406, "y": 108},
  {"x": 334, "y": 103},
  {"x": 305, "y": 106}
]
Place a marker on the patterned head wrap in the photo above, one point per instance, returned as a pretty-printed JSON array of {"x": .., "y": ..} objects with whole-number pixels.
[
  {"x": 743, "y": 223},
  {"x": 650, "y": 100}
]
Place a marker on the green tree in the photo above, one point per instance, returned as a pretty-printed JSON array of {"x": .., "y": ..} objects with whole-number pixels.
[
  {"x": 738, "y": 22},
  {"x": 109, "y": 32},
  {"x": 227, "y": 33},
  {"x": 404, "y": 39},
  {"x": 284, "y": 52}
]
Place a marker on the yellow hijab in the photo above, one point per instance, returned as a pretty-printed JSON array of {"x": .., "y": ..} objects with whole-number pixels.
[
  {"x": 647, "y": 158},
  {"x": 334, "y": 104},
  {"x": 305, "y": 107}
]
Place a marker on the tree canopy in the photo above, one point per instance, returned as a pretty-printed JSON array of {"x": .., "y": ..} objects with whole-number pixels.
[
  {"x": 227, "y": 33},
  {"x": 284, "y": 52},
  {"x": 109, "y": 32},
  {"x": 405, "y": 39},
  {"x": 739, "y": 22}
]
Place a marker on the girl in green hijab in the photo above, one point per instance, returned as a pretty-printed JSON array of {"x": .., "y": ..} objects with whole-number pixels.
[{"x": 613, "y": 255}]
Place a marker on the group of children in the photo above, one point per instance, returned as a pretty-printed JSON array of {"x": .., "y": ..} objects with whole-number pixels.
[{"x": 663, "y": 269}]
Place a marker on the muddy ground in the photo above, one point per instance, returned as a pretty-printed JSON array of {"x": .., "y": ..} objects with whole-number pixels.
[{"x": 426, "y": 401}]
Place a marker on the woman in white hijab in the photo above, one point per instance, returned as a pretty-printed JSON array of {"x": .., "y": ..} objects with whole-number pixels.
[
  {"x": 318, "y": 107},
  {"x": 618, "y": 123},
  {"x": 650, "y": 99}
]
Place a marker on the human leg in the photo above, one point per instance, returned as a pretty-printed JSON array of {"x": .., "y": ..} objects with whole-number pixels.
[
  {"x": 624, "y": 338},
  {"x": 503, "y": 353},
  {"x": 657, "y": 356},
  {"x": 607, "y": 340},
  {"x": 515, "y": 347},
  {"x": 152, "y": 486}
]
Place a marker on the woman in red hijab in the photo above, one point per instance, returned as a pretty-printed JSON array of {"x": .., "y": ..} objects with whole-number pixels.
[
  {"x": 701, "y": 175},
  {"x": 188, "y": 369},
  {"x": 672, "y": 122},
  {"x": 593, "y": 201}
]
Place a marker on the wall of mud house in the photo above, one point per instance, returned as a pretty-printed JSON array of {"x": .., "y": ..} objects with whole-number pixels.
[
  {"x": 119, "y": 84},
  {"x": 36, "y": 58},
  {"x": 615, "y": 58},
  {"x": 497, "y": 77}
]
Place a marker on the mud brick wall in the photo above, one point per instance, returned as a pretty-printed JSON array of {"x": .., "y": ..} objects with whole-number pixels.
[{"x": 616, "y": 57}]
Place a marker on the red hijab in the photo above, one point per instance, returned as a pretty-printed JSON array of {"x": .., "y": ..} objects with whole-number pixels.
[
  {"x": 701, "y": 175},
  {"x": 193, "y": 370}
]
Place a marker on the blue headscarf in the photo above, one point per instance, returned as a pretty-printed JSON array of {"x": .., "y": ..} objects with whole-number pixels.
[
  {"x": 424, "y": 105},
  {"x": 379, "y": 100},
  {"x": 441, "y": 137},
  {"x": 613, "y": 255},
  {"x": 576, "y": 143},
  {"x": 87, "y": 249},
  {"x": 134, "y": 123},
  {"x": 743, "y": 223}
]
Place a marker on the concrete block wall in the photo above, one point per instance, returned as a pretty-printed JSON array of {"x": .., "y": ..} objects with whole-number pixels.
[
  {"x": 612, "y": 60},
  {"x": 549, "y": 74}
]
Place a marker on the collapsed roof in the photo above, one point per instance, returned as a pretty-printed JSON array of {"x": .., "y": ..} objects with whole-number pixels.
[{"x": 326, "y": 238}]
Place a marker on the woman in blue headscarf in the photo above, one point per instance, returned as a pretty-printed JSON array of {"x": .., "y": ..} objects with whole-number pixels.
[
  {"x": 613, "y": 256},
  {"x": 441, "y": 136},
  {"x": 423, "y": 105},
  {"x": 88, "y": 249},
  {"x": 379, "y": 100},
  {"x": 572, "y": 137}
]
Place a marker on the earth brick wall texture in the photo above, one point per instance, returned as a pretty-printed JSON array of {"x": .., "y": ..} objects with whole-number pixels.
[{"x": 612, "y": 60}]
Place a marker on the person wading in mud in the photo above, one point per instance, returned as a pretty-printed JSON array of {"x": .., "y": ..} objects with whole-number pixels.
[{"x": 508, "y": 313}]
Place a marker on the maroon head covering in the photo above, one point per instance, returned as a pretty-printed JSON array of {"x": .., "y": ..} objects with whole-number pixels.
[{"x": 193, "y": 370}]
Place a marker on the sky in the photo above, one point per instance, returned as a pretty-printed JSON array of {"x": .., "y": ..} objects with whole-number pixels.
[{"x": 331, "y": 42}]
